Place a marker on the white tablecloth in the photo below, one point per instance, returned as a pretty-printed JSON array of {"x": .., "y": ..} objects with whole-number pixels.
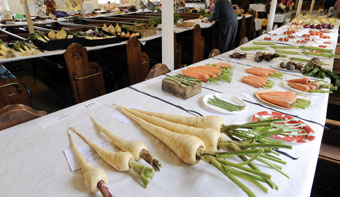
[{"x": 32, "y": 161}]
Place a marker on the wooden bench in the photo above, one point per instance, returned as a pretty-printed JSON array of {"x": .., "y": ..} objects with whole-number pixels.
[
  {"x": 86, "y": 77},
  {"x": 11, "y": 115},
  {"x": 138, "y": 61}
]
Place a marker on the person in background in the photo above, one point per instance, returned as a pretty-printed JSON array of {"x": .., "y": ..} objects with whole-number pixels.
[
  {"x": 150, "y": 5},
  {"x": 328, "y": 4},
  {"x": 223, "y": 13},
  {"x": 109, "y": 6}
]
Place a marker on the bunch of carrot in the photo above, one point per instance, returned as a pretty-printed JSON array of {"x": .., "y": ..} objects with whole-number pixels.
[
  {"x": 216, "y": 72},
  {"x": 199, "y": 138}
]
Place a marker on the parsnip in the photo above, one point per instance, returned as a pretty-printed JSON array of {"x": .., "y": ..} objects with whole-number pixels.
[
  {"x": 190, "y": 149},
  {"x": 209, "y": 136},
  {"x": 93, "y": 177},
  {"x": 117, "y": 160},
  {"x": 213, "y": 122},
  {"x": 121, "y": 161},
  {"x": 137, "y": 149},
  {"x": 185, "y": 146}
]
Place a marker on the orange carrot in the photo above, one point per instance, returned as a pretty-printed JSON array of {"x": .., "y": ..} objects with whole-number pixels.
[
  {"x": 202, "y": 70},
  {"x": 262, "y": 72},
  {"x": 255, "y": 81},
  {"x": 222, "y": 64},
  {"x": 276, "y": 101},
  {"x": 201, "y": 76},
  {"x": 300, "y": 80},
  {"x": 299, "y": 86}
]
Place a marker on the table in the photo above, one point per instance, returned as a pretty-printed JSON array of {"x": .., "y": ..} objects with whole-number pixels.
[
  {"x": 142, "y": 40},
  {"x": 32, "y": 161}
]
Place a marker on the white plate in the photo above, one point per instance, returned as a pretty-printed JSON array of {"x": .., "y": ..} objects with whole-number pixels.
[
  {"x": 285, "y": 84},
  {"x": 276, "y": 65},
  {"x": 226, "y": 97},
  {"x": 272, "y": 104}
]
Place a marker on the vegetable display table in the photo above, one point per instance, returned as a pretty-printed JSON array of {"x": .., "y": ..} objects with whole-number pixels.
[{"x": 33, "y": 162}]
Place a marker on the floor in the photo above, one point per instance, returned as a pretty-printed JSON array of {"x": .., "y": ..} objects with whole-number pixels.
[{"x": 42, "y": 96}]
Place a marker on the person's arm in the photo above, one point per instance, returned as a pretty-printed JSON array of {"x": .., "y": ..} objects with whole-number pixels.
[{"x": 216, "y": 12}]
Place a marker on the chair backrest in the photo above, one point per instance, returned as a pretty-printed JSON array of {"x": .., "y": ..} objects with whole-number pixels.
[
  {"x": 86, "y": 77},
  {"x": 275, "y": 26},
  {"x": 198, "y": 44},
  {"x": 251, "y": 28},
  {"x": 242, "y": 28},
  {"x": 157, "y": 70},
  {"x": 138, "y": 61},
  {"x": 262, "y": 32},
  {"x": 243, "y": 40},
  {"x": 11, "y": 115},
  {"x": 214, "y": 52},
  {"x": 12, "y": 91},
  {"x": 178, "y": 54}
]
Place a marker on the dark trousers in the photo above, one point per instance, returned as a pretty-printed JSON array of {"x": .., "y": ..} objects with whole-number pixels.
[{"x": 228, "y": 37}]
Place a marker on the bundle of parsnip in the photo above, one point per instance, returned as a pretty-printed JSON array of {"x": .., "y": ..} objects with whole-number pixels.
[
  {"x": 199, "y": 138},
  {"x": 130, "y": 152},
  {"x": 95, "y": 178}
]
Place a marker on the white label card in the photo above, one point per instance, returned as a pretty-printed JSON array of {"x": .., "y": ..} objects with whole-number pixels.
[{"x": 57, "y": 117}]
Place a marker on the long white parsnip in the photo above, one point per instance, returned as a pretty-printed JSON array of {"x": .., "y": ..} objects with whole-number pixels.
[
  {"x": 209, "y": 136},
  {"x": 134, "y": 147},
  {"x": 92, "y": 176},
  {"x": 185, "y": 146},
  {"x": 118, "y": 160},
  {"x": 214, "y": 122}
]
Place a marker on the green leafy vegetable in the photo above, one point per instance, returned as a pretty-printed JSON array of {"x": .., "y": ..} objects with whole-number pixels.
[
  {"x": 329, "y": 55},
  {"x": 287, "y": 52},
  {"x": 282, "y": 55},
  {"x": 183, "y": 80},
  {"x": 301, "y": 103},
  {"x": 278, "y": 75},
  {"x": 269, "y": 84},
  {"x": 225, "y": 105},
  {"x": 284, "y": 47},
  {"x": 316, "y": 48},
  {"x": 298, "y": 59},
  {"x": 225, "y": 76},
  {"x": 263, "y": 43},
  {"x": 254, "y": 48}
]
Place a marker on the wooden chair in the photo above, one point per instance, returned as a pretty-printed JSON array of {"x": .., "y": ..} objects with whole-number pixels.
[
  {"x": 86, "y": 77},
  {"x": 178, "y": 54},
  {"x": 11, "y": 115},
  {"x": 251, "y": 28},
  {"x": 330, "y": 148},
  {"x": 138, "y": 61},
  {"x": 275, "y": 26},
  {"x": 262, "y": 32},
  {"x": 12, "y": 91},
  {"x": 242, "y": 28},
  {"x": 157, "y": 70},
  {"x": 213, "y": 53},
  {"x": 243, "y": 40},
  {"x": 198, "y": 44}
]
